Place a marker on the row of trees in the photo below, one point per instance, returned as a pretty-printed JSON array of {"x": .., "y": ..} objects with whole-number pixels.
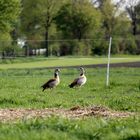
[{"x": 70, "y": 26}]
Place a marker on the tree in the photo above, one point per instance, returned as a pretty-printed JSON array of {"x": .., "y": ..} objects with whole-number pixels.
[
  {"x": 115, "y": 24},
  {"x": 77, "y": 18},
  {"x": 9, "y": 12},
  {"x": 137, "y": 10},
  {"x": 132, "y": 8},
  {"x": 109, "y": 16},
  {"x": 40, "y": 19}
]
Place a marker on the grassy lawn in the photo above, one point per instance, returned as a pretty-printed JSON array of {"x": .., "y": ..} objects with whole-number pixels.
[
  {"x": 62, "y": 61},
  {"x": 65, "y": 129},
  {"x": 20, "y": 88}
]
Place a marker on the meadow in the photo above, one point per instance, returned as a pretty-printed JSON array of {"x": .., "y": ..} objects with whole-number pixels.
[
  {"x": 41, "y": 62},
  {"x": 20, "y": 88}
]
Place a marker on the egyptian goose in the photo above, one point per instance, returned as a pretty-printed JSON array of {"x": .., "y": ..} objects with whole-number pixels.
[
  {"x": 81, "y": 80},
  {"x": 52, "y": 82}
]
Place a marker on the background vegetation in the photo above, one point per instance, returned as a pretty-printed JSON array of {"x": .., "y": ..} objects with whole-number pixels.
[{"x": 69, "y": 27}]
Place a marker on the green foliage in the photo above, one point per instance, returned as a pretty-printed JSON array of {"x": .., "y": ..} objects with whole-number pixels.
[
  {"x": 108, "y": 13},
  {"x": 73, "y": 20},
  {"x": 37, "y": 25},
  {"x": 117, "y": 25},
  {"x": 5, "y": 37},
  {"x": 30, "y": 22},
  {"x": 40, "y": 18},
  {"x": 9, "y": 11},
  {"x": 77, "y": 19},
  {"x": 5, "y": 41}
]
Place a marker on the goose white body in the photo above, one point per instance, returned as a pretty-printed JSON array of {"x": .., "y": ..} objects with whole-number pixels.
[
  {"x": 81, "y": 80},
  {"x": 52, "y": 82}
]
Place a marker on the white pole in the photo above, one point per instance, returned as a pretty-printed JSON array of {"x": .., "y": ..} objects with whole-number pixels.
[{"x": 109, "y": 50}]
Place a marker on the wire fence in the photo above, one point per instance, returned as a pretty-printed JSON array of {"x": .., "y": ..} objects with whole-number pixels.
[
  {"x": 61, "y": 47},
  {"x": 69, "y": 40}
]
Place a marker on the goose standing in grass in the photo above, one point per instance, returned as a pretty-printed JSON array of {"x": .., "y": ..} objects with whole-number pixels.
[
  {"x": 52, "y": 82},
  {"x": 81, "y": 80}
]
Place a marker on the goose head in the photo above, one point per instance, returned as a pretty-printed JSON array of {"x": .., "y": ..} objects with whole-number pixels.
[
  {"x": 56, "y": 72},
  {"x": 82, "y": 70}
]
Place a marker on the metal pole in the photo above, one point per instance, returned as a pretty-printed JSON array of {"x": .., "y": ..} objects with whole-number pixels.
[{"x": 108, "y": 64}]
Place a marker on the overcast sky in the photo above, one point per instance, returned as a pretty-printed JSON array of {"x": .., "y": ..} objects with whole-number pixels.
[{"x": 128, "y": 2}]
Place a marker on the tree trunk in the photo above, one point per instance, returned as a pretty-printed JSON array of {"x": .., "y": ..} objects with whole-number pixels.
[
  {"x": 26, "y": 51},
  {"x": 3, "y": 55},
  {"x": 46, "y": 43},
  {"x": 134, "y": 25}
]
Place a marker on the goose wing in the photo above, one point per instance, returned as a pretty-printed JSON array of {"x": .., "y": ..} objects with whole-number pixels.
[
  {"x": 78, "y": 81},
  {"x": 81, "y": 80},
  {"x": 74, "y": 83},
  {"x": 48, "y": 83}
]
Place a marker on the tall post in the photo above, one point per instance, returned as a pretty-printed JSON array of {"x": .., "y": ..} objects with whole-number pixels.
[{"x": 108, "y": 64}]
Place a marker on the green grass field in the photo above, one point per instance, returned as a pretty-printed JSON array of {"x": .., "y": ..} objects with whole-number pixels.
[
  {"x": 62, "y": 61},
  {"x": 20, "y": 88}
]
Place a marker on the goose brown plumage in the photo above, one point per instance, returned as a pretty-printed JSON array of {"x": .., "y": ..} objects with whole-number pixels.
[
  {"x": 81, "y": 80},
  {"x": 52, "y": 82}
]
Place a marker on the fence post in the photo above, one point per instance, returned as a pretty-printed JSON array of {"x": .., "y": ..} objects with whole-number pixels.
[{"x": 108, "y": 64}]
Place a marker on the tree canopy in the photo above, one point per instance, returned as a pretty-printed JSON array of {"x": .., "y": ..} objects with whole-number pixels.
[
  {"x": 76, "y": 19},
  {"x": 9, "y": 11},
  {"x": 39, "y": 21}
]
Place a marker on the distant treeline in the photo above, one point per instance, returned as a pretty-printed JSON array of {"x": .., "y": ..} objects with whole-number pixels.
[{"x": 69, "y": 27}]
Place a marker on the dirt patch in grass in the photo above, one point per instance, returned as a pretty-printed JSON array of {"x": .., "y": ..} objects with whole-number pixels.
[{"x": 74, "y": 113}]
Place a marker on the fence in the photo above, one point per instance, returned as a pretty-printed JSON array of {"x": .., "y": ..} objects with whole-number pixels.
[{"x": 65, "y": 47}]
